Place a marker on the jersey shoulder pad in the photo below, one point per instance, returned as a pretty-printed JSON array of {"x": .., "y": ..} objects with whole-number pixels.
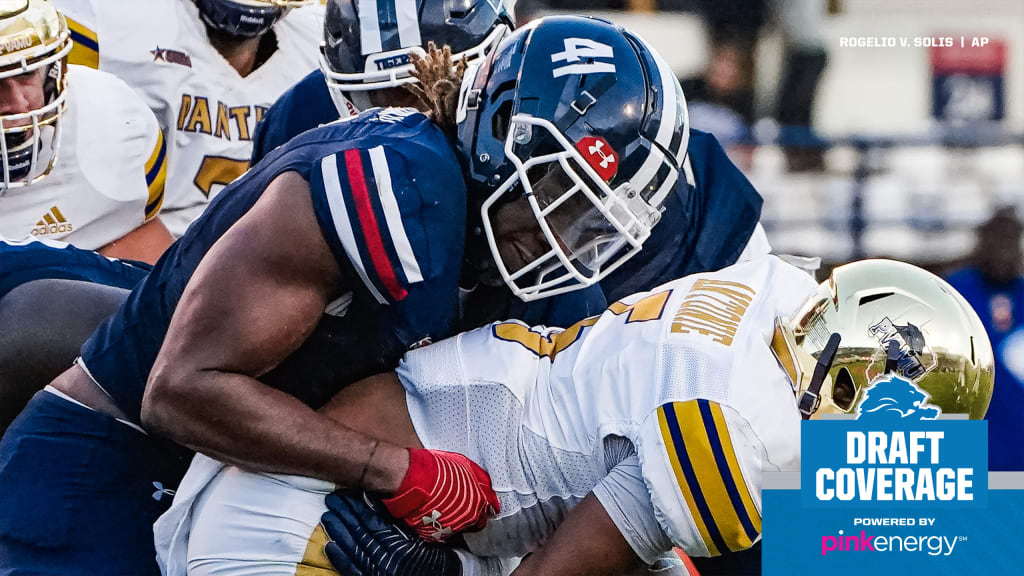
[
  {"x": 119, "y": 146},
  {"x": 702, "y": 464},
  {"x": 83, "y": 23},
  {"x": 303, "y": 24},
  {"x": 302, "y": 107},
  {"x": 385, "y": 213}
]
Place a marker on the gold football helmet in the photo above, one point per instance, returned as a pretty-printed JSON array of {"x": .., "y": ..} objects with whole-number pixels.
[
  {"x": 34, "y": 44},
  {"x": 877, "y": 317}
]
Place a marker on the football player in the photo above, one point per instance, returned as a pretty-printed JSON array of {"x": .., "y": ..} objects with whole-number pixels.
[
  {"x": 207, "y": 68},
  {"x": 610, "y": 442},
  {"x": 235, "y": 334},
  {"x": 83, "y": 159},
  {"x": 364, "y": 59},
  {"x": 710, "y": 220}
]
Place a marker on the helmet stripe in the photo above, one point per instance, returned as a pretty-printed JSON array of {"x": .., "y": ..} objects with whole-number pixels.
[
  {"x": 670, "y": 119},
  {"x": 369, "y": 27},
  {"x": 387, "y": 24},
  {"x": 649, "y": 169},
  {"x": 669, "y": 137},
  {"x": 668, "y": 182},
  {"x": 408, "y": 23}
]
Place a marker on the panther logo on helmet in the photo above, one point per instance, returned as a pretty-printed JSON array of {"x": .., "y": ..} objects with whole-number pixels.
[{"x": 912, "y": 347}]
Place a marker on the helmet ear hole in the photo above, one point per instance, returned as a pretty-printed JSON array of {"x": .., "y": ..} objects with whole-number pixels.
[
  {"x": 844, "y": 391},
  {"x": 501, "y": 119}
]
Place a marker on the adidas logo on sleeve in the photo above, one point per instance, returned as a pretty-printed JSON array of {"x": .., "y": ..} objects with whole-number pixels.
[{"x": 53, "y": 222}]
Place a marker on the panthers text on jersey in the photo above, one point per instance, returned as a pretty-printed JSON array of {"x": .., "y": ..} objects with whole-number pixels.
[
  {"x": 667, "y": 408},
  {"x": 207, "y": 110},
  {"x": 109, "y": 175},
  {"x": 388, "y": 196}
]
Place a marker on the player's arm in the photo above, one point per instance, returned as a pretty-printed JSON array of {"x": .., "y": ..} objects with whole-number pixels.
[
  {"x": 255, "y": 297},
  {"x": 587, "y": 543},
  {"x": 147, "y": 242},
  {"x": 83, "y": 24}
]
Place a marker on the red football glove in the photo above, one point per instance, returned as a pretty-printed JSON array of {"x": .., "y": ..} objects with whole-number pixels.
[{"x": 443, "y": 493}]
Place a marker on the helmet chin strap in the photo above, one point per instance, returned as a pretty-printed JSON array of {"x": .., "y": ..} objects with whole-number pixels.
[{"x": 810, "y": 399}]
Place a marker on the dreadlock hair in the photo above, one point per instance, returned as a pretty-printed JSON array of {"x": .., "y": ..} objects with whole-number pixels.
[{"x": 437, "y": 92}]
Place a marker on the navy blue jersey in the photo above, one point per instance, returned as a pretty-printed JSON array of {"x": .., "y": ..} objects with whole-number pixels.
[
  {"x": 302, "y": 107},
  {"x": 389, "y": 198},
  {"x": 26, "y": 260},
  {"x": 705, "y": 225}
]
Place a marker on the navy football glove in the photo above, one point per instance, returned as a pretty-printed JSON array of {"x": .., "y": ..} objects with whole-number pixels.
[{"x": 366, "y": 543}]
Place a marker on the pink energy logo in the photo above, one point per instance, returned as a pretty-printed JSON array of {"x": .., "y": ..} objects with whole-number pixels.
[
  {"x": 860, "y": 543},
  {"x": 931, "y": 545}
]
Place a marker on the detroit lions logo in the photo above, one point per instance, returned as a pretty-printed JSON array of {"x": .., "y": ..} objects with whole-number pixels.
[{"x": 895, "y": 399}]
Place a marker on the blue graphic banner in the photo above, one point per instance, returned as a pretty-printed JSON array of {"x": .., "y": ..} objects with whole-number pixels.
[
  {"x": 854, "y": 465},
  {"x": 902, "y": 497}
]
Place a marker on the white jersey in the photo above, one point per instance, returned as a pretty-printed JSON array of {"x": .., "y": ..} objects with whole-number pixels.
[
  {"x": 109, "y": 175},
  {"x": 207, "y": 110},
  {"x": 667, "y": 408}
]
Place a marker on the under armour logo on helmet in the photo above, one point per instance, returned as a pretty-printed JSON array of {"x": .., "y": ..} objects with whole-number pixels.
[
  {"x": 599, "y": 155},
  {"x": 598, "y": 149}
]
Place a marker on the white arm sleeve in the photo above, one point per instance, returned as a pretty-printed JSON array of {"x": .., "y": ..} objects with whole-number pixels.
[
  {"x": 473, "y": 565},
  {"x": 624, "y": 497}
]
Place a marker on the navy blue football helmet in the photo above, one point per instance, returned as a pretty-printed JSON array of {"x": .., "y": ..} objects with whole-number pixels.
[
  {"x": 244, "y": 18},
  {"x": 367, "y": 43},
  {"x": 582, "y": 126}
]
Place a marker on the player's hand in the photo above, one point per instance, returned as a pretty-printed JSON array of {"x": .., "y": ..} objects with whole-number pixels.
[
  {"x": 365, "y": 543},
  {"x": 442, "y": 494}
]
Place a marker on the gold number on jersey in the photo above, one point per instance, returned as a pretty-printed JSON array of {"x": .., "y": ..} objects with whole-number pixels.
[
  {"x": 549, "y": 345},
  {"x": 218, "y": 170}
]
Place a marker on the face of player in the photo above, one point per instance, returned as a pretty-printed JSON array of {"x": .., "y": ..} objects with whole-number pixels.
[
  {"x": 575, "y": 224},
  {"x": 517, "y": 234},
  {"x": 397, "y": 97},
  {"x": 22, "y": 93}
]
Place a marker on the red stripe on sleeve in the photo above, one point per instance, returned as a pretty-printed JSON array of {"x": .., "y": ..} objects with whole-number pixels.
[{"x": 368, "y": 222}]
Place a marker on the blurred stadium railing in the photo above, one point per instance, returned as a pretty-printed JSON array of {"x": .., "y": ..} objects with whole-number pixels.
[{"x": 916, "y": 199}]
